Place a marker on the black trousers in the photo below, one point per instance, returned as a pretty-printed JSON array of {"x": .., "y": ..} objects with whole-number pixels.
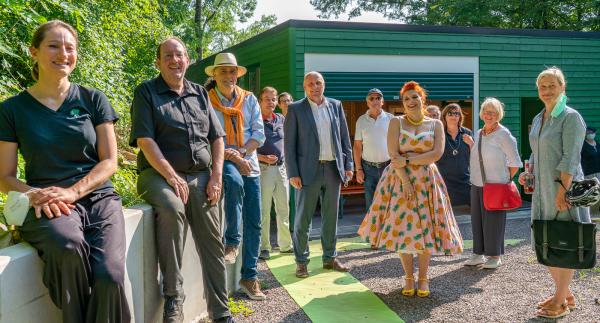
[
  {"x": 84, "y": 256},
  {"x": 488, "y": 226}
]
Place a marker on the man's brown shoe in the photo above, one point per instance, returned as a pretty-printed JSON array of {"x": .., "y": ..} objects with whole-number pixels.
[
  {"x": 301, "y": 271},
  {"x": 252, "y": 289},
  {"x": 231, "y": 253},
  {"x": 335, "y": 265}
]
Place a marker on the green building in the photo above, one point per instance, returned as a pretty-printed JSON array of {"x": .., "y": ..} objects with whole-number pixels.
[{"x": 454, "y": 64}]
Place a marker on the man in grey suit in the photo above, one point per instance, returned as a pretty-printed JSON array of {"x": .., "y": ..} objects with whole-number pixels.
[{"x": 318, "y": 160}]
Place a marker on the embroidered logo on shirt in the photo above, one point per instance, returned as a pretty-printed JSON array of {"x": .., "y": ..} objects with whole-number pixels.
[{"x": 75, "y": 112}]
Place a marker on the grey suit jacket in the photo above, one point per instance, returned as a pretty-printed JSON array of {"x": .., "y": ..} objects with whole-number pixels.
[{"x": 301, "y": 140}]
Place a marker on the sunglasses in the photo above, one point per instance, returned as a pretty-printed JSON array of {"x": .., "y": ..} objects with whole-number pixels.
[
  {"x": 454, "y": 114},
  {"x": 373, "y": 98}
]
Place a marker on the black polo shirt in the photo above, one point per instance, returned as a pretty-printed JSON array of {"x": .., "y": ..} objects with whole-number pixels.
[
  {"x": 182, "y": 126},
  {"x": 273, "y": 137},
  {"x": 59, "y": 147}
]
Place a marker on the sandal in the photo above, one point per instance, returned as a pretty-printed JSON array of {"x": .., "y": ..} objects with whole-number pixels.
[
  {"x": 553, "y": 313},
  {"x": 570, "y": 302},
  {"x": 421, "y": 292},
  {"x": 408, "y": 292}
]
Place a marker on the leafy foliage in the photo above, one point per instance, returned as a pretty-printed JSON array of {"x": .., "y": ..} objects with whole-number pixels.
[
  {"x": 581, "y": 15},
  {"x": 118, "y": 40}
]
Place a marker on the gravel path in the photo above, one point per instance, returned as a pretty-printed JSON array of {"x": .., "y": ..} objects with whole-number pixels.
[{"x": 458, "y": 293}]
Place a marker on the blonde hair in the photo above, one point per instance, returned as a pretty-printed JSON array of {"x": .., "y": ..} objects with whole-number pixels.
[
  {"x": 553, "y": 72},
  {"x": 494, "y": 105}
]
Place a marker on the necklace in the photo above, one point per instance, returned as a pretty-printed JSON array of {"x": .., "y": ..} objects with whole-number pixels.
[
  {"x": 415, "y": 123},
  {"x": 486, "y": 132},
  {"x": 454, "y": 149}
]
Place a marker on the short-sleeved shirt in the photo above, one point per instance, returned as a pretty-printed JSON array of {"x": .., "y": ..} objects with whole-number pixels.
[
  {"x": 373, "y": 134},
  {"x": 274, "y": 137},
  {"x": 183, "y": 126},
  {"x": 59, "y": 147}
]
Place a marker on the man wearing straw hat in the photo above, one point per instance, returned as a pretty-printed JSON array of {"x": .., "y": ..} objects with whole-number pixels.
[{"x": 239, "y": 113}]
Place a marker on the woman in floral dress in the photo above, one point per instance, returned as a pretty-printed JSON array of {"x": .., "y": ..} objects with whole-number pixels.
[{"x": 411, "y": 212}]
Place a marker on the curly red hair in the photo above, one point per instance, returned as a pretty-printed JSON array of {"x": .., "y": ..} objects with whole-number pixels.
[{"x": 414, "y": 86}]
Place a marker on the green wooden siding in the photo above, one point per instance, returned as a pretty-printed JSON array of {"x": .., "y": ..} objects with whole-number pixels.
[
  {"x": 271, "y": 54},
  {"x": 509, "y": 62},
  {"x": 508, "y": 67},
  {"x": 353, "y": 86}
]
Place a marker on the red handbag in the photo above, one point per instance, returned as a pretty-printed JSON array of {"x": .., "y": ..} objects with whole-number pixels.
[{"x": 498, "y": 196}]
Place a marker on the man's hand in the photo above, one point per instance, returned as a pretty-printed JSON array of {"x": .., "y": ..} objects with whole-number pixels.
[
  {"x": 231, "y": 154},
  {"x": 243, "y": 165},
  {"x": 180, "y": 187},
  {"x": 296, "y": 182},
  {"x": 268, "y": 159},
  {"x": 213, "y": 189},
  {"x": 348, "y": 176},
  {"x": 360, "y": 176}
]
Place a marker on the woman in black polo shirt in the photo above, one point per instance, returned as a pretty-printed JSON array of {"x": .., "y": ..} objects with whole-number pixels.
[{"x": 66, "y": 135}]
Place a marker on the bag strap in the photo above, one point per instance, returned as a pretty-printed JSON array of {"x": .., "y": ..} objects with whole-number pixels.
[
  {"x": 480, "y": 158},
  {"x": 580, "y": 247},
  {"x": 545, "y": 240}
]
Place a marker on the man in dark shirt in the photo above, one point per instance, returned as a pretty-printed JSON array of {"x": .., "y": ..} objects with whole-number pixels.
[
  {"x": 274, "y": 185},
  {"x": 177, "y": 132}
]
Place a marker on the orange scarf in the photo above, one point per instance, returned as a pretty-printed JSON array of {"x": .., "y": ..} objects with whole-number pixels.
[{"x": 235, "y": 137}]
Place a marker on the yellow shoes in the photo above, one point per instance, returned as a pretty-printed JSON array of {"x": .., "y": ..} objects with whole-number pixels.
[
  {"x": 409, "y": 292},
  {"x": 421, "y": 292}
]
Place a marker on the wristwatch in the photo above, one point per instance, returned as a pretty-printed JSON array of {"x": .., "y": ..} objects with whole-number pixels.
[{"x": 242, "y": 151}]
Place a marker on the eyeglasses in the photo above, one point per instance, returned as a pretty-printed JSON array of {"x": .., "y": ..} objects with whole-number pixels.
[
  {"x": 490, "y": 113},
  {"x": 454, "y": 114},
  {"x": 373, "y": 98}
]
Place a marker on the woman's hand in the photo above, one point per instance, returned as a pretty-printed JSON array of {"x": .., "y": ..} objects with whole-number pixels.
[
  {"x": 53, "y": 195},
  {"x": 408, "y": 190},
  {"x": 52, "y": 210},
  {"x": 398, "y": 163},
  {"x": 468, "y": 140},
  {"x": 561, "y": 201},
  {"x": 522, "y": 178}
]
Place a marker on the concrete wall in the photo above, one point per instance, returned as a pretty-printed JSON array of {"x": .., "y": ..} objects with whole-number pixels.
[{"x": 24, "y": 298}]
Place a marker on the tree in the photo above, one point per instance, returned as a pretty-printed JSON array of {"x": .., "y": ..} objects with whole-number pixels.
[
  {"x": 540, "y": 14},
  {"x": 212, "y": 25}
]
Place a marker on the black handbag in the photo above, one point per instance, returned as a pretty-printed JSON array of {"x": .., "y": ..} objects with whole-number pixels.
[{"x": 565, "y": 244}]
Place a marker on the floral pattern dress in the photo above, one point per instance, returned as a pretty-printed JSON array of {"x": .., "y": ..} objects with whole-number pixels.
[{"x": 424, "y": 224}]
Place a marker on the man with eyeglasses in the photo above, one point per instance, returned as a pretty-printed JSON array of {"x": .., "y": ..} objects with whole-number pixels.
[{"x": 370, "y": 144}]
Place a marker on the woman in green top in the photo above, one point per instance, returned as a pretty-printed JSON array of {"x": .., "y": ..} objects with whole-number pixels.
[{"x": 556, "y": 137}]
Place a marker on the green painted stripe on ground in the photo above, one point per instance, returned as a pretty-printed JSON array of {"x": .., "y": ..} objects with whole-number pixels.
[{"x": 329, "y": 296}]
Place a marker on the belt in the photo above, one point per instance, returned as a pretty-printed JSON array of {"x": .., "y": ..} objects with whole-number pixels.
[
  {"x": 376, "y": 165},
  {"x": 278, "y": 163},
  {"x": 326, "y": 161}
]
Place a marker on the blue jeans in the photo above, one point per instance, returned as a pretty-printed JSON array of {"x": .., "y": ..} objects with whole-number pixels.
[
  {"x": 372, "y": 176},
  {"x": 242, "y": 203}
]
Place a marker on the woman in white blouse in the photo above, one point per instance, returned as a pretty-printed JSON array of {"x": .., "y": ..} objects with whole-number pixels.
[{"x": 501, "y": 162}]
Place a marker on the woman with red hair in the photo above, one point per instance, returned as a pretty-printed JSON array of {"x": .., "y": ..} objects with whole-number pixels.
[{"x": 411, "y": 212}]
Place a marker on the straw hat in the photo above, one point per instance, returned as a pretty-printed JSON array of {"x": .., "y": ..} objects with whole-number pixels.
[{"x": 224, "y": 59}]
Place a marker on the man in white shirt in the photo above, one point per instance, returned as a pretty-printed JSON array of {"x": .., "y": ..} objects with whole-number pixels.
[
  {"x": 370, "y": 144},
  {"x": 318, "y": 158}
]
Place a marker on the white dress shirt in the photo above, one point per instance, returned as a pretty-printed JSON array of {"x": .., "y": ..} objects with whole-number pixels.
[{"x": 323, "y": 121}]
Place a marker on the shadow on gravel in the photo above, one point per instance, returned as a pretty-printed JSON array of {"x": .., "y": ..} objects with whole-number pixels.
[
  {"x": 446, "y": 288},
  {"x": 296, "y": 317}
]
